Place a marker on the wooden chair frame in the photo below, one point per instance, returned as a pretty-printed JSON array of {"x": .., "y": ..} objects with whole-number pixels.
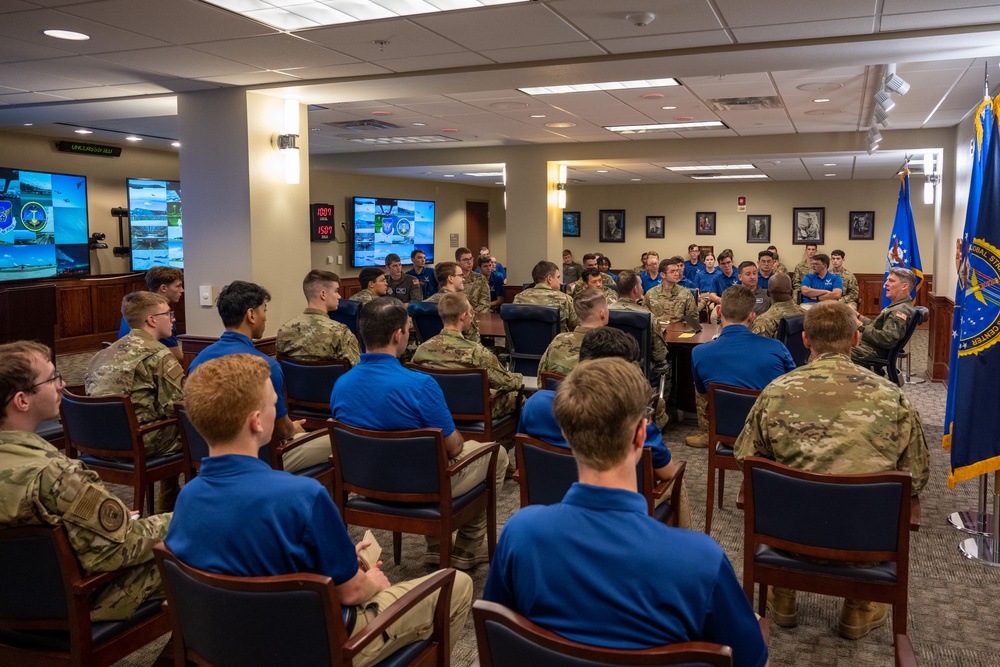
[
  {"x": 715, "y": 461},
  {"x": 549, "y": 376}
]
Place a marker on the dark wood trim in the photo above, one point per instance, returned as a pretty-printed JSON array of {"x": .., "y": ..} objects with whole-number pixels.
[
  {"x": 870, "y": 294},
  {"x": 939, "y": 340},
  {"x": 192, "y": 345}
]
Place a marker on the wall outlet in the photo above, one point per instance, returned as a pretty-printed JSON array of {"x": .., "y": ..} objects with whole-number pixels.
[
  {"x": 205, "y": 296},
  {"x": 340, "y": 259}
]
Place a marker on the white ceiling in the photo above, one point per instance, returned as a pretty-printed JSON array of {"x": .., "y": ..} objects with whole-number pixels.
[{"x": 457, "y": 73}]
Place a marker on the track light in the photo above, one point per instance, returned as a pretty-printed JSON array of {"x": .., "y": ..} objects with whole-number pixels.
[
  {"x": 872, "y": 148},
  {"x": 874, "y": 136},
  {"x": 881, "y": 116},
  {"x": 884, "y": 100},
  {"x": 894, "y": 82}
]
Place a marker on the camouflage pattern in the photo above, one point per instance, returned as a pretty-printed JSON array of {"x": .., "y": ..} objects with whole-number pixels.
[
  {"x": 313, "y": 334},
  {"x": 406, "y": 289},
  {"x": 671, "y": 304},
  {"x": 780, "y": 268},
  {"x": 578, "y": 286},
  {"x": 364, "y": 296},
  {"x": 880, "y": 334},
  {"x": 40, "y": 486},
  {"x": 477, "y": 290},
  {"x": 142, "y": 368},
  {"x": 832, "y": 416},
  {"x": 449, "y": 349},
  {"x": 563, "y": 353},
  {"x": 571, "y": 272},
  {"x": 851, "y": 290},
  {"x": 767, "y": 324},
  {"x": 543, "y": 295},
  {"x": 659, "y": 347},
  {"x": 472, "y": 333},
  {"x": 802, "y": 269},
  {"x": 609, "y": 294}
]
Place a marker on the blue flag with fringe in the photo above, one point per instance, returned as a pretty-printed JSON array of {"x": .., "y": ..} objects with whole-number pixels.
[{"x": 903, "y": 251}]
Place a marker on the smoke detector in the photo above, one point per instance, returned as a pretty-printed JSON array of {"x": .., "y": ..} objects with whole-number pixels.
[{"x": 640, "y": 19}]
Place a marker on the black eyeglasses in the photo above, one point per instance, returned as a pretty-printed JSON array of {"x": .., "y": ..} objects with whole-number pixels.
[
  {"x": 57, "y": 377},
  {"x": 166, "y": 312}
]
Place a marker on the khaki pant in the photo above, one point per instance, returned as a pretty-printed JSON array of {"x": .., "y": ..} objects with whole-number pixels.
[
  {"x": 472, "y": 532},
  {"x": 308, "y": 455},
  {"x": 683, "y": 509}
]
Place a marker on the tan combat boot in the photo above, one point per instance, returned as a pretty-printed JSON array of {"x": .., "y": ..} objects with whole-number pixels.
[
  {"x": 781, "y": 607},
  {"x": 858, "y": 618},
  {"x": 700, "y": 441}
]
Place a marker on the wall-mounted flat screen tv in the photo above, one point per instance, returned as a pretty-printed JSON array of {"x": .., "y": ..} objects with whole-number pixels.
[
  {"x": 155, "y": 219},
  {"x": 383, "y": 226},
  {"x": 44, "y": 231}
]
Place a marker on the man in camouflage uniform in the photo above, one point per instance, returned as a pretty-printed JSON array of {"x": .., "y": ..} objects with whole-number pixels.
[
  {"x": 563, "y": 353},
  {"x": 571, "y": 270},
  {"x": 803, "y": 268},
  {"x": 141, "y": 367},
  {"x": 851, "y": 291},
  {"x": 373, "y": 285},
  {"x": 451, "y": 280},
  {"x": 593, "y": 279},
  {"x": 450, "y": 350},
  {"x": 630, "y": 298},
  {"x": 476, "y": 288},
  {"x": 590, "y": 262},
  {"x": 778, "y": 266},
  {"x": 779, "y": 288},
  {"x": 40, "y": 486},
  {"x": 546, "y": 293},
  {"x": 880, "y": 334},
  {"x": 831, "y": 416},
  {"x": 403, "y": 287},
  {"x": 313, "y": 334},
  {"x": 668, "y": 300}
]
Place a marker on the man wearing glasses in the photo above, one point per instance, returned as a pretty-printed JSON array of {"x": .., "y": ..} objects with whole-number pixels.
[{"x": 141, "y": 367}]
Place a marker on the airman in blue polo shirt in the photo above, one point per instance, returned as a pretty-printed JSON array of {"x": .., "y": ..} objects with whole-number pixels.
[{"x": 821, "y": 285}]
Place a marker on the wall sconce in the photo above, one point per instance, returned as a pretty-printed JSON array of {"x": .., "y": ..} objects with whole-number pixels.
[
  {"x": 287, "y": 142},
  {"x": 561, "y": 187}
]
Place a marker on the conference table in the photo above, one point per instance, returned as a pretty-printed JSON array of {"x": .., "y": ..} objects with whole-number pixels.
[
  {"x": 490, "y": 324},
  {"x": 680, "y": 342}
]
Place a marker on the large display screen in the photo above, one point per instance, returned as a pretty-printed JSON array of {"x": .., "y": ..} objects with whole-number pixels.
[
  {"x": 43, "y": 225},
  {"x": 383, "y": 226},
  {"x": 155, "y": 218}
]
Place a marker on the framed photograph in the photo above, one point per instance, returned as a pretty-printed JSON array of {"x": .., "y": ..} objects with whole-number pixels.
[
  {"x": 758, "y": 229},
  {"x": 862, "y": 226},
  {"x": 704, "y": 250},
  {"x": 654, "y": 226},
  {"x": 612, "y": 226},
  {"x": 704, "y": 223},
  {"x": 808, "y": 225},
  {"x": 571, "y": 223}
]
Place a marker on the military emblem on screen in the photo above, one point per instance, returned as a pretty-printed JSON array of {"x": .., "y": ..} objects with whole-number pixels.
[
  {"x": 6, "y": 219},
  {"x": 981, "y": 309}
]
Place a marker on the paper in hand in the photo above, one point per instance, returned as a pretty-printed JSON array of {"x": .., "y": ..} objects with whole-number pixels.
[{"x": 369, "y": 555}]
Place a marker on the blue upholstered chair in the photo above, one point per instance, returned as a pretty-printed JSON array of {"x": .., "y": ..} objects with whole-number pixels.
[
  {"x": 46, "y": 600},
  {"x": 790, "y": 333},
  {"x": 727, "y": 412},
  {"x": 425, "y": 319},
  {"x": 402, "y": 482},
  {"x": 347, "y": 314},
  {"x": 848, "y": 518},
  {"x": 52, "y": 431},
  {"x": 292, "y": 619},
  {"x": 308, "y": 385},
  {"x": 638, "y": 325},
  {"x": 104, "y": 433},
  {"x": 550, "y": 380},
  {"x": 529, "y": 330}
]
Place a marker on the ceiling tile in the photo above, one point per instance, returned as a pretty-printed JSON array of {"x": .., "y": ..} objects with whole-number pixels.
[
  {"x": 178, "y": 61},
  {"x": 543, "y": 52},
  {"x": 601, "y": 22},
  {"x": 273, "y": 52},
  {"x": 502, "y": 27},
  {"x": 103, "y": 38},
  {"x": 442, "y": 61},
  {"x": 336, "y": 71},
  {"x": 690, "y": 40},
  {"x": 915, "y": 21},
  {"x": 405, "y": 39},
  {"x": 251, "y": 78},
  {"x": 739, "y": 13},
  {"x": 805, "y": 30},
  {"x": 16, "y": 50}
]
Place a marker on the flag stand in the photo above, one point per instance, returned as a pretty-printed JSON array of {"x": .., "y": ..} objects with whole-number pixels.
[
  {"x": 972, "y": 521},
  {"x": 983, "y": 547}
]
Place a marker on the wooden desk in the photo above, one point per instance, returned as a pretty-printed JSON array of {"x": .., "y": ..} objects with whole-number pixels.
[
  {"x": 490, "y": 324},
  {"x": 680, "y": 349},
  {"x": 673, "y": 332}
]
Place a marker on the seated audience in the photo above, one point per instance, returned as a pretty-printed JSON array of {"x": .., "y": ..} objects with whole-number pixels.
[
  {"x": 168, "y": 282},
  {"x": 668, "y": 300},
  {"x": 570, "y": 270},
  {"x": 765, "y": 268},
  {"x": 821, "y": 285},
  {"x": 748, "y": 278},
  {"x": 546, "y": 292},
  {"x": 889, "y": 327},
  {"x": 705, "y": 282},
  {"x": 476, "y": 288},
  {"x": 423, "y": 273},
  {"x": 562, "y": 354},
  {"x": 693, "y": 266},
  {"x": 405, "y": 288},
  {"x": 592, "y": 279},
  {"x": 725, "y": 277},
  {"x": 493, "y": 280},
  {"x": 779, "y": 289},
  {"x": 778, "y": 266},
  {"x": 590, "y": 262},
  {"x": 239, "y": 517},
  {"x": 650, "y": 272},
  {"x": 498, "y": 268},
  {"x": 449, "y": 276},
  {"x": 630, "y": 298},
  {"x": 604, "y": 266},
  {"x": 313, "y": 334},
  {"x": 373, "y": 284},
  {"x": 851, "y": 289}
]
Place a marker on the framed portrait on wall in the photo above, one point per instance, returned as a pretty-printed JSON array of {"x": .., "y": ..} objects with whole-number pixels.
[
  {"x": 861, "y": 226},
  {"x": 808, "y": 225},
  {"x": 612, "y": 225},
  {"x": 704, "y": 223},
  {"x": 758, "y": 229},
  {"x": 571, "y": 223},
  {"x": 654, "y": 226}
]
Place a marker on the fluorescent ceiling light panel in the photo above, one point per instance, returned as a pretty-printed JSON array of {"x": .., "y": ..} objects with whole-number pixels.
[
  {"x": 653, "y": 127},
  {"x": 423, "y": 139},
  {"x": 483, "y": 174},
  {"x": 607, "y": 85},
  {"x": 722, "y": 177},
  {"x": 713, "y": 167},
  {"x": 299, "y": 14}
]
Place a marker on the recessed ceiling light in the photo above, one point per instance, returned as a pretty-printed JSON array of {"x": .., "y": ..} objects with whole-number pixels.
[
  {"x": 560, "y": 124},
  {"x": 83, "y": 131},
  {"x": 829, "y": 164},
  {"x": 602, "y": 171},
  {"x": 668, "y": 108},
  {"x": 418, "y": 124},
  {"x": 483, "y": 174},
  {"x": 711, "y": 167},
  {"x": 27, "y": 124},
  {"x": 133, "y": 138},
  {"x": 606, "y": 85},
  {"x": 635, "y": 179},
  {"x": 449, "y": 175},
  {"x": 538, "y": 115},
  {"x": 829, "y": 174},
  {"x": 652, "y": 96},
  {"x": 654, "y": 127},
  {"x": 66, "y": 34},
  {"x": 730, "y": 177},
  {"x": 820, "y": 100},
  {"x": 175, "y": 144}
]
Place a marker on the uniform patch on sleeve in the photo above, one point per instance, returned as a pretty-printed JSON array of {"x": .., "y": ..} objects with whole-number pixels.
[
  {"x": 901, "y": 315},
  {"x": 111, "y": 515}
]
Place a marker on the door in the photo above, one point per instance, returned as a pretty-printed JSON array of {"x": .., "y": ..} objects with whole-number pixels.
[{"x": 477, "y": 225}]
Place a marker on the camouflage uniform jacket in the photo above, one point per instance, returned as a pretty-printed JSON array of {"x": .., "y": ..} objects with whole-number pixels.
[
  {"x": 314, "y": 334},
  {"x": 472, "y": 333},
  {"x": 563, "y": 353},
  {"x": 780, "y": 268},
  {"x": 767, "y": 324},
  {"x": 832, "y": 416},
  {"x": 880, "y": 334},
  {"x": 571, "y": 272},
  {"x": 802, "y": 269},
  {"x": 606, "y": 280},
  {"x": 364, "y": 296},
  {"x": 478, "y": 292},
  {"x": 609, "y": 294},
  {"x": 406, "y": 289},
  {"x": 659, "y": 347},
  {"x": 40, "y": 486},
  {"x": 851, "y": 290},
  {"x": 145, "y": 370},
  {"x": 671, "y": 304},
  {"x": 543, "y": 295},
  {"x": 450, "y": 350}
]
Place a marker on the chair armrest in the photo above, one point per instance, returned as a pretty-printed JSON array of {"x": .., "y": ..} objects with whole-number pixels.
[
  {"x": 157, "y": 425},
  {"x": 914, "y": 513},
  {"x": 288, "y": 445},
  {"x": 678, "y": 481},
  {"x": 86, "y": 586},
  {"x": 905, "y": 657},
  {"x": 455, "y": 467},
  {"x": 765, "y": 629},
  {"x": 661, "y": 486},
  {"x": 442, "y": 581}
]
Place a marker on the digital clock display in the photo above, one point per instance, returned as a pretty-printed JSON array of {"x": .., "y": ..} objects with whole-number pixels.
[{"x": 321, "y": 222}]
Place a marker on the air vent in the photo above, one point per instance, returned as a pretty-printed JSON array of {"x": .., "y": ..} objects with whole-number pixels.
[
  {"x": 740, "y": 103},
  {"x": 365, "y": 125}
]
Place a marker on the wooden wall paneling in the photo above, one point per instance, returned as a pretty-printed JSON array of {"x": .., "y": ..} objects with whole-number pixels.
[
  {"x": 870, "y": 294},
  {"x": 939, "y": 337},
  {"x": 106, "y": 306},
  {"x": 73, "y": 309},
  {"x": 349, "y": 287},
  {"x": 192, "y": 345},
  {"x": 28, "y": 312}
]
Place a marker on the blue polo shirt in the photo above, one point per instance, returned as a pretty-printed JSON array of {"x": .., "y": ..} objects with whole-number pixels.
[
  {"x": 232, "y": 342},
  {"x": 828, "y": 282},
  {"x": 593, "y": 569},
  {"x": 649, "y": 283},
  {"x": 539, "y": 421},
  {"x": 428, "y": 283},
  {"x": 380, "y": 395},
  {"x": 722, "y": 282},
  {"x": 739, "y": 358},
  {"x": 692, "y": 270},
  {"x": 170, "y": 341},
  {"x": 706, "y": 281},
  {"x": 495, "y": 281}
]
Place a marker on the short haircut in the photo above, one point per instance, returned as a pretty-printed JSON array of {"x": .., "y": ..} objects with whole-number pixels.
[
  {"x": 416, "y": 252},
  {"x": 451, "y": 306},
  {"x": 588, "y": 303},
  {"x": 482, "y": 248},
  {"x": 652, "y": 253},
  {"x": 236, "y": 298},
  {"x": 670, "y": 261},
  {"x": 609, "y": 342},
  {"x": 368, "y": 275},
  {"x": 222, "y": 392},
  {"x": 483, "y": 260},
  {"x": 724, "y": 255},
  {"x": 567, "y": 251},
  {"x": 627, "y": 281},
  {"x": 692, "y": 247},
  {"x": 392, "y": 258},
  {"x": 604, "y": 259},
  {"x": 544, "y": 269},
  {"x": 811, "y": 245},
  {"x": 443, "y": 271},
  {"x": 589, "y": 273},
  {"x": 137, "y": 306},
  {"x": 830, "y": 326},
  {"x": 589, "y": 256},
  {"x": 779, "y": 287},
  {"x": 157, "y": 276},
  {"x": 599, "y": 425},
  {"x": 737, "y": 303},
  {"x": 708, "y": 254},
  {"x": 379, "y": 319},
  {"x": 316, "y": 281},
  {"x": 462, "y": 251},
  {"x": 16, "y": 374},
  {"x": 765, "y": 253},
  {"x": 820, "y": 257},
  {"x": 905, "y": 275},
  {"x": 838, "y": 253},
  {"x": 746, "y": 264}
]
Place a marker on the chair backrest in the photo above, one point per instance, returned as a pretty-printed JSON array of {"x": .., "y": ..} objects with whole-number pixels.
[
  {"x": 100, "y": 425},
  {"x": 309, "y": 382},
  {"x": 727, "y": 412},
  {"x": 638, "y": 325},
  {"x": 529, "y": 330},
  {"x": 466, "y": 390},
  {"x": 406, "y": 466},
  {"x": 195, "y": 446},
  {"x": 546, "y": 471},
  {"x": 347, "y": 314},
  {"x": 292, "y": 619},
  {"x": 862, "y": 517},
  {"x": 507, "y": 639},
  {"x": 36, "y": 593},
  {"x": 551, "y": 380},
  {"x": 790, "y": 333},
  {"x": 919, "y": 317},
  {"x": 425, "y": 318}
]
